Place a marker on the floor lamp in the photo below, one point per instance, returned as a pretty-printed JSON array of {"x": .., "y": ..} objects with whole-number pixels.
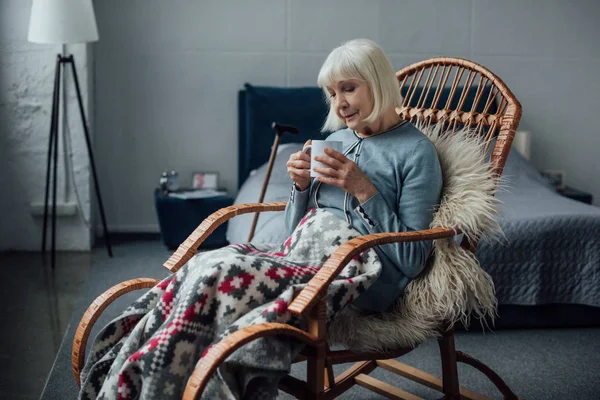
[{"x": 64, "y": 22}]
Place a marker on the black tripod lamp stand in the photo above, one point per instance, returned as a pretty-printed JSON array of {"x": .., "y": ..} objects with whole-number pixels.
[{"x": 62, "y": 22}]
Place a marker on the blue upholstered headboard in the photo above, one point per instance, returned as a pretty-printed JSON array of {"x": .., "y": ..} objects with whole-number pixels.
[
  {"x": 260, "y": 106},
  {"x": 303, "y": 107}
]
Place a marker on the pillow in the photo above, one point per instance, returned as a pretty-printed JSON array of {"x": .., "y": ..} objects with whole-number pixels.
[
  {"x": 522, "y": 143},
  {"x": 284, "y": 147},
  {"x": 518, "y": 172},
  {"x": 271, "y": 225},
  {"x": 467, "y": 102}
]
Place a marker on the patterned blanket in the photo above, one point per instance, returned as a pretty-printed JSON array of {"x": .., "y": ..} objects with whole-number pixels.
[{"x": 151, "y": 349}]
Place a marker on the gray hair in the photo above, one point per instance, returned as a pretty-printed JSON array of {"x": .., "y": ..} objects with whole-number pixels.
[{"x": 360, "y": 59}]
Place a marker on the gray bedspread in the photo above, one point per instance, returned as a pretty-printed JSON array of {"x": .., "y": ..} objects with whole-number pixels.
[
  {"x": 551, "y": 250},
  {"x": 551, "y": 253}
]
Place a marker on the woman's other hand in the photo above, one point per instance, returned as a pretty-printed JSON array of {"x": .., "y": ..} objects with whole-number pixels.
[
  {"x": 298, "y": 168},
  {"x": 345, "y": 174}
]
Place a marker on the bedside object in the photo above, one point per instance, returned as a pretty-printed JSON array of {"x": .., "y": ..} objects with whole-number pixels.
[
  {"x": 178, "y": 217},
  {"x": 555, "y": 178},
  {"x": 575, "y": 194},
  {"x": 173, "y": 183},
  {"x": 522, "y": 143},
  {"x": 205, "y": 180}
]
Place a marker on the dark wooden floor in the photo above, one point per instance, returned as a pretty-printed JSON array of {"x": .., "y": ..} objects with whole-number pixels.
[{"x": 37, "y": 304}]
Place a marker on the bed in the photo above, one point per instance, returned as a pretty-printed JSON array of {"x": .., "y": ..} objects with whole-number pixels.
[{"x": 546, "y": 269}]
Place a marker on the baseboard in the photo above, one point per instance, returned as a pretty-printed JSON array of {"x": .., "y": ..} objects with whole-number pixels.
[
  {"x": 133, "y": 228},
  {"x": 128, "y": 237}
]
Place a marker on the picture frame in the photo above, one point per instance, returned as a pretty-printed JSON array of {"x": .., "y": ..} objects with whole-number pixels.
[
  {"x": 555, "y": 177},
  {"x": 205, "y": 180}
]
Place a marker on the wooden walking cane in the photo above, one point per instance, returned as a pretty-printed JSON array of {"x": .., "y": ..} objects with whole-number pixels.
[{"x": 280, "y": 129}]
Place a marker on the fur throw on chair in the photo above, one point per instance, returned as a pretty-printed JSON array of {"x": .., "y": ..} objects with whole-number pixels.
[{"x": 453, "y": 286}]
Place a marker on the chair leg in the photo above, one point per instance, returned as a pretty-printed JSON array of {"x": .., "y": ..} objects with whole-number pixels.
[
  {"x": 449, "y": 366},
  {"x": 315, "y": 371},
  {"x": 507, "y": 393}
]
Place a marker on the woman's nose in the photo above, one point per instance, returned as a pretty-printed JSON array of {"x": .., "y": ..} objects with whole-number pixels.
[{"x": 342, "y": 102}]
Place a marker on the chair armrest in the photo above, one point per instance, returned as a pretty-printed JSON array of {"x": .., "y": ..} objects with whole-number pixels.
[
  {"x": 91, "y": 316},
  {"x": 216, "y": 354},
  {"x": 189, "y": 247},
  {"x": 317, "y": 286}
]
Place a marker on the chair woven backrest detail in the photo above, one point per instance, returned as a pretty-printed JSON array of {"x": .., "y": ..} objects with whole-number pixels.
[{"x": 436, "y": 91}]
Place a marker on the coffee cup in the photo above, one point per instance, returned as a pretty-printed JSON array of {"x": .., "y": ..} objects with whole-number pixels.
[{"x": 317, "y": 148}]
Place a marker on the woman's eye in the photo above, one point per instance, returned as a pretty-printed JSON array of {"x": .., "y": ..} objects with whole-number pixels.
[{"x": 349, "y": 89}]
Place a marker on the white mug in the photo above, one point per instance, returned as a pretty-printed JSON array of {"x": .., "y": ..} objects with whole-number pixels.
[{"x": 317, "y": 149}]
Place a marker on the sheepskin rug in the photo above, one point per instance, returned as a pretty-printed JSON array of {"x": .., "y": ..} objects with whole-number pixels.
[{"x": 453, "y": 287}]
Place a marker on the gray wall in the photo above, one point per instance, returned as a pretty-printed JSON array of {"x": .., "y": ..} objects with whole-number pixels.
[
  {"x": 26, "y": 83},
  {"x": 166, "y": 76}
]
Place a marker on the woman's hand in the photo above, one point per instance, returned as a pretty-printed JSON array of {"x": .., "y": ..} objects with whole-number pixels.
[
  {"x": 298, "y": 168},
  {"x": 345, "y": 174}
]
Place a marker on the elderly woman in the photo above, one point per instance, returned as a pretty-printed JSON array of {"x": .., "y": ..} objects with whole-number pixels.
[{"x": 387, "y": 179}]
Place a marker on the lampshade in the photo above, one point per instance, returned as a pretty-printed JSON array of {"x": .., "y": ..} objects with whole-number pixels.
[{"x": 62, "y": 22}]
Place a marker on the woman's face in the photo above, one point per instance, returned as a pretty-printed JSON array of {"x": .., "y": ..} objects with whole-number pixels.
[{"x": 352, "y": 101}]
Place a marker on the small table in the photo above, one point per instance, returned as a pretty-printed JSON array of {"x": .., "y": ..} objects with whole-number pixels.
[
  {"x": 179, "y": 217},
  {"x": 576, "y": 194}
]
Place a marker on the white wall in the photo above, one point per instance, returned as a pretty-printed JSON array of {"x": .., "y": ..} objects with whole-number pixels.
[{"x": 26, "y": 83}]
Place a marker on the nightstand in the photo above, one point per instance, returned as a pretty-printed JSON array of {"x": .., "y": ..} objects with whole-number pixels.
[
  {"x": 179, "y": 217},
  {"x": 575, "y": 194}
]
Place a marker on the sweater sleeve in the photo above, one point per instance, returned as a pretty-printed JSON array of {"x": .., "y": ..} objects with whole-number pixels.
[
  {"x": 296, "y": 208},
  {"x": 420, "y": 188}
]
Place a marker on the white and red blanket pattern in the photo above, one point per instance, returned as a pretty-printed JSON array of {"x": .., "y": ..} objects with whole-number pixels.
[{"x": 151, "y": 349}]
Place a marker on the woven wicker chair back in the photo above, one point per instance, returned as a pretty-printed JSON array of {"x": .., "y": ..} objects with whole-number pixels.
[{"x": 436, "y": 91}]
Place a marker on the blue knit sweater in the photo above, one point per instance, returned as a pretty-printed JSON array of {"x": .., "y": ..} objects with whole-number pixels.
[{"x": 403, "y": 165}]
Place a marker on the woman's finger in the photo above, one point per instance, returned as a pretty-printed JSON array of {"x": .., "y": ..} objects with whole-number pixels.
[
  {"x": 300, "y": 164},
  {"x": 335, "y": 154},
  {"x": 303, "y": 156},
  {"x": 326, "y": 171},
  {"x": 332, "y": 162},
  {"x": 298, "y": 173}
]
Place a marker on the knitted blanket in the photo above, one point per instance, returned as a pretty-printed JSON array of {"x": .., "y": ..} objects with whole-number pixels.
[{"x": 151, "y": 349}]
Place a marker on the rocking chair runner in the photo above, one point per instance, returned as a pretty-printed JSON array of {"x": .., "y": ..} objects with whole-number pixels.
[{"x": 310, "y": 303}]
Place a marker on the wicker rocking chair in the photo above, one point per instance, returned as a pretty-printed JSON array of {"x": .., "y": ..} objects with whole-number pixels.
[{"x": 422, "y": 84}]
